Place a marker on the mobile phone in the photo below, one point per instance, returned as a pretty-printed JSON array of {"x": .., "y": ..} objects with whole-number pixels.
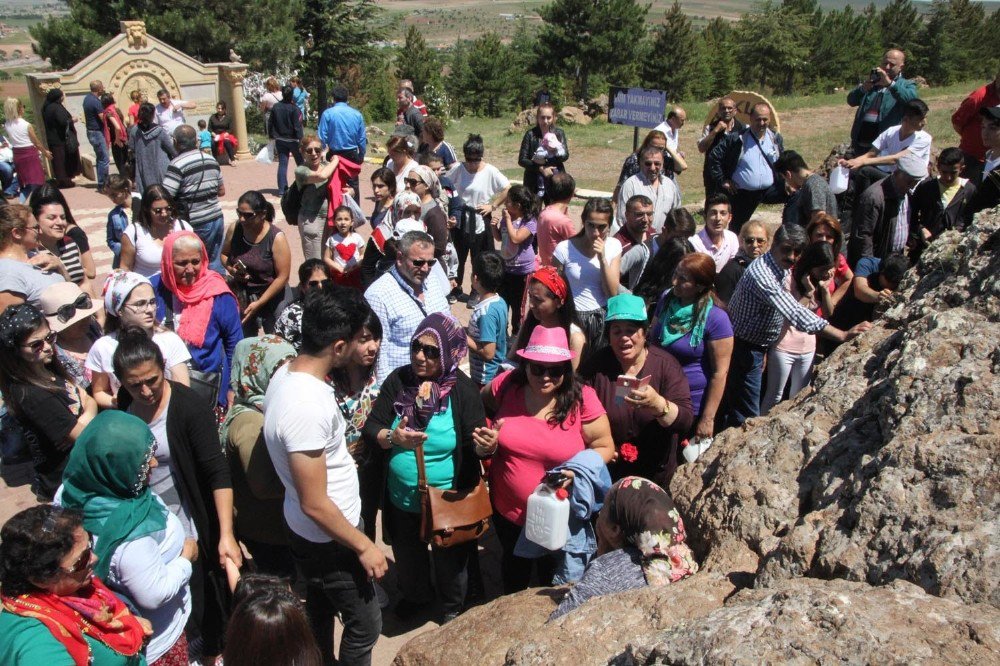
[
  {"x": 625, "y": 384},
  {"x": 240, "y": 266},
  {"x": 554, "y": 479}
]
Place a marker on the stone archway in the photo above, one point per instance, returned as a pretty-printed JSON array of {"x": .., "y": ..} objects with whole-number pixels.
[{"x": 145, "y": 76}]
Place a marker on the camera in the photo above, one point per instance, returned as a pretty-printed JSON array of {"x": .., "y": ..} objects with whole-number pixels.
[{"x": 876, "y": 75}]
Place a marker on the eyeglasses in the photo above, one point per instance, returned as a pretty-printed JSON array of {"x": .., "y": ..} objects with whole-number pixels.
[
  {"x": 139, "y": 306},
  {"x": 755, "y": 241},
  {"x": 83, "y": 562},
  {"x": 161, "y": 211},
  {"x": 431, "y": 352},
  {"x": 37, "y": 228},
  {"x": 313, "y": 151},
  {"x": 38, "y": 345},
  {"x": 246, "y": 215},
  {"x": 318, "y": 283},
  {"x": 552, "y": 371},
  {"x": 66, "y": 312},
  {"x": 420, "y": 263}
]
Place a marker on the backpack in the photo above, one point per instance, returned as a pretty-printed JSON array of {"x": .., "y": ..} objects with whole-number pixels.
[{"x": 291, "y": 204}]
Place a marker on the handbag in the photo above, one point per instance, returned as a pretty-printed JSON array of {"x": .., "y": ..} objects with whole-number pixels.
[
  {"x": 206, "y": 384},
  {"x": 451, "y": 517}
]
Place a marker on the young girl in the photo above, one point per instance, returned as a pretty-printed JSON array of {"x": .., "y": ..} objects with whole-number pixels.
[
  {"x": 119, "y": 190},
  {"x": 343, "y": 252},
  {"x": 515, "y": 230},
  {"x": 792, "y": 357},
  {"x": 51, "y": 407},
  {"x": 550, "y": 305}
]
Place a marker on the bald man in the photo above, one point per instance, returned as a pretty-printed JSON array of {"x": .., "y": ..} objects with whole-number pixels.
[{"x": 880, "y": 99}]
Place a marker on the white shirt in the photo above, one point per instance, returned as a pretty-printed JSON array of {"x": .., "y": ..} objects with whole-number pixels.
[
  {"x": 477, "y": 188},
  {"x": 584, "y": 274},
  {"x": 301, "y": 414},
  {"x": 351, "y": 239},
  {"x": 889, "y": 143},
  {"x": 99, "y": 358},
  {"x": 673, "y": 135},
  {"x": 401, "y": 176},
  {"x": 720, "y": 254},
  {"x": 170, "y": 118},
  {"x": 992, "y": 162},
  {"x": 147, "y": 251},
  {"x": 17, "y": 132}
]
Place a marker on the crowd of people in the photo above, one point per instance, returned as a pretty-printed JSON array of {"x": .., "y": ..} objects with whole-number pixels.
[{"x": 211, "y": 448}]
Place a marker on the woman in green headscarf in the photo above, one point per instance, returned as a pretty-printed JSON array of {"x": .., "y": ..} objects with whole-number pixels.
[
  {"x": 257, "y": 491},
  {"x": 140, "y": 547}
]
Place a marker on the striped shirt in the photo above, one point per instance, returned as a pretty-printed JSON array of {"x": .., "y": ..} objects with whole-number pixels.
[
  {"x": 69, "y": 255},
  {"x": 761, "y": 305},
  {"x": 193, "y": 179}
]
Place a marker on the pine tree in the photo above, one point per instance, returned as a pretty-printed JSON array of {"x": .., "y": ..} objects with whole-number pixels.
[
  {"x": 900, "y": 24},
  {"x": 719, "y": 50},
  {"x": 774, "y": 45},
  {"x": 417, "y": 61},
  {"x": 676, "y": 63}
]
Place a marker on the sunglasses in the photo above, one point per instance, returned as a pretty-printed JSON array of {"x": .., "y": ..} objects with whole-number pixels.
[
  {"x": 83, "y": 562},
  {"x": 755, "y": 241},
  {"x": 38, "y": 345},
  {"x": 246, "y": 215},
  {"x": 139, "y": 306},
  {"x": 552, "y": 371},
  {"x": 318, "y": 283},
  {"x": 66, "y": 312},
  {"x": 431, "y": 352},
  {"x": 420, "y": 263},
  {"x": 413, "y": 181},
  {"x": 161, "y": 211},
  {"x": 313, "y": 151}
]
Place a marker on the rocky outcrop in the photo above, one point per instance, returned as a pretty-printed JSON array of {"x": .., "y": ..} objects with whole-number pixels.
[
  {"x": 573, "y": 115},
  {"x": 856, "y": 523},
  {"x": 808, "y": 621}
]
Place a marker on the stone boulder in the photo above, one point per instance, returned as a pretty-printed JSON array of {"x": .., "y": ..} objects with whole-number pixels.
[
  {"x": 523, "y": 121},
  {"x": 886, "y": 468},
  {"x": 809, "y": 621},
  {"x": 574, "y": 115},
  {"x": 597, "y": 106}
]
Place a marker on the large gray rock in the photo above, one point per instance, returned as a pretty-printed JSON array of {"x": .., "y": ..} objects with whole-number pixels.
[
  {"x": 887, "y": 468},
  {"x": 808, "y": 621}
]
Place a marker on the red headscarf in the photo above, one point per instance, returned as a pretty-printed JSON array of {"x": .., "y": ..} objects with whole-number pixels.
[
  {"x": 99, "y": 614},
  {"x": 555, "y": 282},
  {"x": 198, "y": 297}
]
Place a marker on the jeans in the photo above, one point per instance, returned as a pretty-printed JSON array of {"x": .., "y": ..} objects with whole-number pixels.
[
  {"x": 466, "y": 244},
  {"x": 413, "y": 563},
  {"x": 211, "y": 234},
  {"x": 101, "y": 156},
  {"x": 743, "y": 387},
  {"x": 284, "y": 149},
  {"x": 7, "y": 183},
  {"x": 335, "y": 582},
  {"x": 782, "y": 366},
  {"x": 512, "y": 292}
]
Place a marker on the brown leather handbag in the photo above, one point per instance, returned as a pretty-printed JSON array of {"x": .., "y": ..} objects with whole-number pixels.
[{"x": 451, "y": 517}]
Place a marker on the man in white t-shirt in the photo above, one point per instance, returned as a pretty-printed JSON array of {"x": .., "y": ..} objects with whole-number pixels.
[
  {"x": 170, "y": 112},
  {"x": 907, "y": 138},
  {"x": 671, "y": 127},
  {"x": 304, "y": 432}
]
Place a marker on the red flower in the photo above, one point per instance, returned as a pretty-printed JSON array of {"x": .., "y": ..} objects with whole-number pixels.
[{"x": 628, "y": 452}]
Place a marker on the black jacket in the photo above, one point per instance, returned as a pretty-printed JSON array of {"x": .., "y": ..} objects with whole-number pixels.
[
  {"x": 529, "y": 144},
  {"x": 466, "y": 409},
  {"x": 927, "y": 211},
  {"x": 874, "y": 221},
  {"x": 987, "y": 192},
  {"x": 285, "y": 122},
  {"x": 721, "y": 161}
]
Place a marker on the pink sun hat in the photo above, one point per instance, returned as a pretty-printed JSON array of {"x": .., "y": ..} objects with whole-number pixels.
[{"x": 547, "y": 345}]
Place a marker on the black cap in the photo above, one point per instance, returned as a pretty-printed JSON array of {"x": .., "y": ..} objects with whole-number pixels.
[{"x": 991, "y": 112}]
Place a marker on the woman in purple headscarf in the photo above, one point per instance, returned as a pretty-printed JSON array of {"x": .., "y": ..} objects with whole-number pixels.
[{"x": 433, "y": 404}]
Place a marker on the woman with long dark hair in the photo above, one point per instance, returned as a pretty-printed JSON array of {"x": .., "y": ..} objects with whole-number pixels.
[
  {"x": 689, "y": 325},
  {"x": 114, "y": 131},
  {"x": 223, "y": 141},
  {"x": 825, "y": 227},
  {"x": 61, "y": 138},
  {"x": 550, "y": 305},
  {"x": 52, "y": 409},
  {"x": 268, "y": 628},
  {"x": 791, "y": 359},
  {"x": 375, "y": 259},
  {"x": 59, "y": 235},
  {"x": 142, "y": 240}
]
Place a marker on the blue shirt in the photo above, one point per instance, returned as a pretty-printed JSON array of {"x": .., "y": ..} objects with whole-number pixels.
[
  {"x": 205, "y": 139},
  {"x": 117, "y": 221},
  {"x": 753, "y": 171},
  {"x": 488, "y": 324},
  {"x": 867, "y": 266},
  {"x": 92, "y": 110},
  {"x": 300, "y": 96},
  {"x": 343, "y": 128}
]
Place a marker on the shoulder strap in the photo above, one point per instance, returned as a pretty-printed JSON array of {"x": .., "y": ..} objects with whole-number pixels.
[{"x": 421, "y": 470}]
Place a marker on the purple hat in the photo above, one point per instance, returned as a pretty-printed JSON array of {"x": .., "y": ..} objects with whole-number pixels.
[{"x": 547, "y": 345}]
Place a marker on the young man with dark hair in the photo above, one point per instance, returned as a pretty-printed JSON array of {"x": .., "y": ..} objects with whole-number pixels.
[
  {"x": 941, "y": 203},
  {"x": 871, "y": 290},
  {"x": 487, "y": 331},
  {"x": 810, "y": 192},
  {"x": 988, "y": 187},
  {"x": 715, "y": 239},
  {"x": 304, "y": 432}
]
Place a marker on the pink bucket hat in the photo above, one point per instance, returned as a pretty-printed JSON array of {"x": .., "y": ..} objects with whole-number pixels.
[{"x": 547, "y": 345}]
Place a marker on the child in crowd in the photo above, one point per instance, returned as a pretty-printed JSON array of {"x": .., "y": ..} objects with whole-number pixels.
[
  {"x": 119, "y": 190},
  {"x": 549, "y": 147},
  {"x": 515, "y": 230},
  {"x": 487, "y": 331},
  {"x": 343, "y": 251},
  {"x": 204, "y": 137}
]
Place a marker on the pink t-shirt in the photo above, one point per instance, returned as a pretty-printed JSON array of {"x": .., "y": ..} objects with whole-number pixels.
[
  {"x": 794, "y": 341},
  {"x": 529, "y": 447},
  {"x": 554, "y": 226}
]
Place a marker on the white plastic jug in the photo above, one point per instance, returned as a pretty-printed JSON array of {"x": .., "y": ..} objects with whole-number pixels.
[
  {"x": 548, "y": 517},
  {"x": 838, "y": 179}
]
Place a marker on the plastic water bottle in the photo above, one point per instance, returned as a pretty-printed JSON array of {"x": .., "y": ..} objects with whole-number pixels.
[
  {"x": 696, "y": 447},
  {"x": 548, "y": 517}
]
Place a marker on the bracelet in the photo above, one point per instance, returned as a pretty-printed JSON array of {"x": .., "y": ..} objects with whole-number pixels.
[{"x": 388, "y": 438}]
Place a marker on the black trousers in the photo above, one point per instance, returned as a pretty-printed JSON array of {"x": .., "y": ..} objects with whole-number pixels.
[
  {"x": 744, "y": 203},
  {"x": 516, "y": 571},
  {"x": 466, "y": 244},
  {"x": 512, "y": 291}
]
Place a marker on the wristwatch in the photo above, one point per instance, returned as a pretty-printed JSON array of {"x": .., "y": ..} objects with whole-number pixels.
[{"x": 666, "y": 409}]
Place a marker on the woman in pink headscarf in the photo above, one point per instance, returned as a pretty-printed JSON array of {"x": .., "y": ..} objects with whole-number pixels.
[{"x": 198, "y": 305}]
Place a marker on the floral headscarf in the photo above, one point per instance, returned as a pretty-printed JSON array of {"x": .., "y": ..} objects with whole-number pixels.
[
  {"x": 649, "y": 521},
  {"x": 117, "y": 288},
  {"x": 419, "y": 399},
  {"x": 255, "y": 361}
]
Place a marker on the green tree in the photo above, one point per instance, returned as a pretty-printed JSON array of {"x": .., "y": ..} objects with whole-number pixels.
[
  {"x": 338, "y": 35},
  {"x": 951, "y": 46},
  {"x": 677, "y": 63},
  {"x": 591, "y": 38},
  {"x": 774, "y": 46},
  {"x": 482, "y": 80},
  {"x": 900, "y": 25},
  {"x": 417, "y": 61},
  {"x": 719, "y": 50},
  {"x": 845, "y": 46},
  {"x": 64, "y": 41}
]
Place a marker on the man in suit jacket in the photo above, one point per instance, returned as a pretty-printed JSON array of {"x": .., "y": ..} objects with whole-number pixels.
[
  {"x": 742, "y": 166},
  {"x": 879, "y": 99}
]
